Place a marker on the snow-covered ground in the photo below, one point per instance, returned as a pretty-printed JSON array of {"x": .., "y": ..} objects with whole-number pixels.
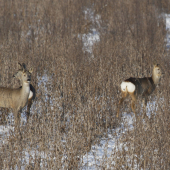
[
  {"x": 89, "y": 39},
  {"x": 103, "y": 151},
  {"x": 99, "y": 152},
  {"x": 95, "y": 158},
  {"x": 107, "y": 146},
  {"x": 93, "y": 36},
  {"x": 167, "y": 18}
]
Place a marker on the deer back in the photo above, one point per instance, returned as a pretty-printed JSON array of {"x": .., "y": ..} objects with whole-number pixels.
[{"x": 142, "y": 85}]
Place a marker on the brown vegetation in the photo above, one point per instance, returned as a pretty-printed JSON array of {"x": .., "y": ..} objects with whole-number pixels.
[{"x": 77, "y": 105}]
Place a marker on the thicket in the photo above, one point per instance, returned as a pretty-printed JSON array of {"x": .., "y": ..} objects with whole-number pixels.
[{"x": 78, "y": 90}]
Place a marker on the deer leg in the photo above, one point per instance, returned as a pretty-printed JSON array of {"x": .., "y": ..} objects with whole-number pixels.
[
  {"x": 124, "y": 95},
  {"x": 133, "y": 105},
  {"x": 28, "y": 109},
  {"x": 145, "y": 104},
  {"x": 16, "y": 118},
  {"x": 133, "y": 101},
  {"x": 17, "y": 115},
  {"x": 145, "y": 97}
]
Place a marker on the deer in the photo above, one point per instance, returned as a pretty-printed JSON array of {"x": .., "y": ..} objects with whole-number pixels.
[
  {"x": 135, "y": 87},
  {"x": 17, "y": 98},
  {"x": 32, "y": 93}
]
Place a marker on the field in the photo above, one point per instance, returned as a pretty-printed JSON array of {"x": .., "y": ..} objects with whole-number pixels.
[{"x": 80, "y": 52}]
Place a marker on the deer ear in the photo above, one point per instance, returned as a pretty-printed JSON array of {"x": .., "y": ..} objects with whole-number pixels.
[
  {"x": 31, "y": 70},
  {"x": 156, "y": 65},
  {"x": 23, "y": 67}
]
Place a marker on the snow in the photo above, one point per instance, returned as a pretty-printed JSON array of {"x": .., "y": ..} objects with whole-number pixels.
[
  {"x": 93, "y": 36},
  {"x": 94, "y": 158},
  {"x": 167, "y": 19},
  {"x": 99, "y": 152},
  {"x": 107, "y": 146},
  {"x": 89, "y": 39}
]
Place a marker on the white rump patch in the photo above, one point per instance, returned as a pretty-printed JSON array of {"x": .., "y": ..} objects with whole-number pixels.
[
  {"x": 130, "y": 87},
  {"x": 123, "y": 86},
  {"x": 30, "y": 94}
]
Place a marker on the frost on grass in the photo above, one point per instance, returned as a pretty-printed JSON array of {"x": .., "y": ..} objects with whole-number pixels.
[
  {"x": 167, "y": 19},
  {"x": 111, "y": 150}
]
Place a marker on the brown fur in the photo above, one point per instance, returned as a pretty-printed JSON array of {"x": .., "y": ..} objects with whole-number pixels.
[
  {"x": 32, "y": 89},
  {"x": 16, "y": 98},
  {"x": 143, "y": 86}
]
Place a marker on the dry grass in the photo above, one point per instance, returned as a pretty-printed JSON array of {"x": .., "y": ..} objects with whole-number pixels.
[{"x": 77, "y": 105}]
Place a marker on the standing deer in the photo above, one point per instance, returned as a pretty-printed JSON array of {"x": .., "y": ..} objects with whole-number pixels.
[
  {"x": 17, "y": 98},
  {"x": 140, "y": 86},
  {"x": 32, "y": 93}
]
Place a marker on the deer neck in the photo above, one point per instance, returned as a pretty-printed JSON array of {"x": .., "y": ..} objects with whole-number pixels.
[
  {"x": 155, "y": 78},
  {"x": 25, "y": 89}
]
